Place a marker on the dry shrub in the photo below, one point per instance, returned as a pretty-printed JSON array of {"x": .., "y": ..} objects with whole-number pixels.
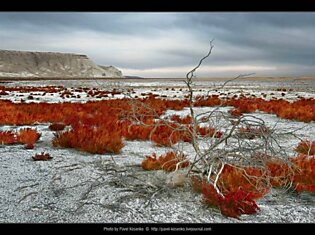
[
  {"x": 304, "y": 176},
  {"x": 240, "y": 187},
  {"x": 306, "y": 147},
  {"x": 280, "y": 173},
  {"x": 250, "y": 132},
  {"x": 209, "y": 132}
]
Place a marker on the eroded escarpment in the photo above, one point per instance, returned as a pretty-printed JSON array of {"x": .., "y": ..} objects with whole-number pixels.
[{"x": 24, "y": 64}]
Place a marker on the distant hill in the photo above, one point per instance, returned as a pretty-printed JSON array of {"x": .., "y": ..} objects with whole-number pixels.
[{"x": 26, "y": 64}]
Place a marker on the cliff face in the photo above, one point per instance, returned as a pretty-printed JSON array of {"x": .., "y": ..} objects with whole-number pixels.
[{"x": 51, "y": 64}]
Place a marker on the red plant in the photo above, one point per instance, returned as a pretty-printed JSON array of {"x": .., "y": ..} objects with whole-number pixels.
[
  {"x": 210, "y": 101},
  {"x": 168, "y": 162},
  {"x": 57, "y": 126},
  {"x": 166, "y": 134},
  {"x": 279, "y": 171},
  {"x": 136, "y": 132},
  {"x": 235, "y": 112},
  {"x": 28, "y": 136},
  {"x": 42, "y": 157},
  {"x": 235, "y": 204},
  {"x": 306, "y": 147},
  {"x": 209, "y": 132},
  {"x": 304, "y": 174},
  {"x": 7, "y": 137},
  {"x": 94, "y": 134},
  {"x": 249, "y": 179},
  {"x": 97, "y": 140},
  {"x": 232, "y": 204},
  {"x": 151, "y": 163},
  {"x": 186, "y": 120}
]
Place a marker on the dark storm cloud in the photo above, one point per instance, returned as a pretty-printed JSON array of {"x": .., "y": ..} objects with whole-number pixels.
[
  {"x": 116, "y": 23},
  {"x": 280, "y": 37},
  {"x": 272, "y": 43}
]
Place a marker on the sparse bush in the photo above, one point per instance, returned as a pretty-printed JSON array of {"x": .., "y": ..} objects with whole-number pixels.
[
  {"x": 42, "y": 157},
  {"x": 57, "y": 126},
  {"x": 7, "y": 137},
  {"x": 28, "y": 137},
  {"x": 168, "y": 162}
]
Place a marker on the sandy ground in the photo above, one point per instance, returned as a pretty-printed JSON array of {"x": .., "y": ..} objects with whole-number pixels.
[{"x": 77, "y": 187}]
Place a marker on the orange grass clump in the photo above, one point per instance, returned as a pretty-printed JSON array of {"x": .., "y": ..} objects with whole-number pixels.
[
  {"x": 28, "y": 137},
  {"x": 186, "y": 120},
  {"x": 95, "y": 134},
  {"x": 167, "y": 162},
  {"x": 7, "y": 137},
  {"x": 96, "y": 141},
  {"x": 166, "y": 134}
]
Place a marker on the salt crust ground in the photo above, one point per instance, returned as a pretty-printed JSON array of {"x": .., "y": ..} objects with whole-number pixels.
[{"x": 75, "y": 187}]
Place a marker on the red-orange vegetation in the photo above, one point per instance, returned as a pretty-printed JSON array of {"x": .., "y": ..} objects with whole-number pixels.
[
  {"x": 166, "y": 134},
  {"x": 57, "y": 126},
  {"x": 94, "y": 134},
  {"x": 250, "y": 179},
  {"x": 172, "y": 160},
  {"x": 42, "y": 157},
  {"x": 235, "y": 112},
  {"x": 92, "y": 140},
  {"x": 197, "y": 183},
  {"x": 168, "y": 162},
  {"x": 28, "y": 136},
  {"x": 306, "y": 147},
  {"x": 151, "y": 163},
  {"x": 210, "y": 101},
  {"x": 186, "y": 120},
  {"x": 302, "y": 109},
  {"x": 239, "y": 187},
  {"x": 136, "y": 132},
  {"x": 279, "y": 172},
  {"x": 209, "y": 132},
  {"x": 8, "y": 137},
  {"x": 3, "y": 92},
  {"x": 29, "y": 89},
  {"x": 304, "y": 175},
  {"x": 232, "y": 204}
]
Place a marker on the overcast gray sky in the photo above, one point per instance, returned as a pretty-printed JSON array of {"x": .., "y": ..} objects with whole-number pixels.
[{"x": 170, "y": 44}]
